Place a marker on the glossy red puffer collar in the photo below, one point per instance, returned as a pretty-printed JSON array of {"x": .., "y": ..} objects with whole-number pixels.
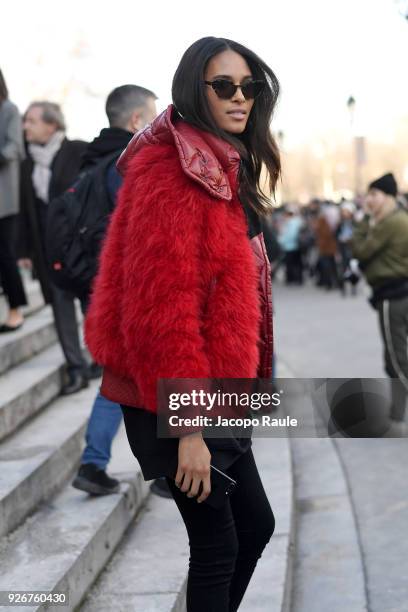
[{"x": 204, "y": 157}]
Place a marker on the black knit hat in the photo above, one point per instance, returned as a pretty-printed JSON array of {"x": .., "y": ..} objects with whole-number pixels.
[{"x": 386, "y": 183}]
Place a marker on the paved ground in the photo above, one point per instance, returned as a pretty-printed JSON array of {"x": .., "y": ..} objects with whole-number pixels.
[
  {"x": 322, "y": 334},
  {"x": 325, "y": 335}
]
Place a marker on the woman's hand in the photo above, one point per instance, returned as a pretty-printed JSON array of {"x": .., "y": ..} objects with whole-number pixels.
[{"x": 193, "y": 466}]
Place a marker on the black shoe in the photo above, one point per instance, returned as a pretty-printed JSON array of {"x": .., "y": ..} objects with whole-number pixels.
[
  {"x": 5, "y": 329},
  {"x": 161, "y": 488},
  {"x": 94, "y": 371},
  {"x": 95, "y": 481},
  {"x": 77, "y": 382}
]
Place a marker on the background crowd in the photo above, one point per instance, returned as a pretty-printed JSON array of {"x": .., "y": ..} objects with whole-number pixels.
[{"x": 313, "y": 242}]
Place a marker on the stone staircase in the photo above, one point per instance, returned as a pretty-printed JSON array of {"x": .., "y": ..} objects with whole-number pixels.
[{"x": 127, "y": 551}]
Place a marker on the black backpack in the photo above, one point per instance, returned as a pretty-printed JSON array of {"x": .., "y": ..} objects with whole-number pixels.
[{"x": 77, "y": 221}]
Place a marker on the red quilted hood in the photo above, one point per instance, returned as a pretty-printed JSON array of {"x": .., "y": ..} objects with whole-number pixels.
[{"x": 204, "y": 157}]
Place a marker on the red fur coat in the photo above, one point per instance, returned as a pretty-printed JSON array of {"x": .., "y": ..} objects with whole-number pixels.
[{"x": 181, "y": 291}]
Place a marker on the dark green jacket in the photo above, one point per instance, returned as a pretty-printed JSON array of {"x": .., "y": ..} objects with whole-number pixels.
[{"x": 382, "y": 249}]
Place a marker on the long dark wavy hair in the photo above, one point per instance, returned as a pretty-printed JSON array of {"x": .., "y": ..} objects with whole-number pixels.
[
  {"x": 3, "y": 88},
  {"x": 256, "y": 144}
]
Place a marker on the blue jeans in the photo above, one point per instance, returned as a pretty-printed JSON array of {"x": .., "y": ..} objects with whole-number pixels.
[{"x": 104, "y": 422}]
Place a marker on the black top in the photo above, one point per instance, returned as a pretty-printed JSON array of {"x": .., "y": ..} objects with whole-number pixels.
[
  {"x": 253, "y": 221},
  {"x": 159, "y": 456}
]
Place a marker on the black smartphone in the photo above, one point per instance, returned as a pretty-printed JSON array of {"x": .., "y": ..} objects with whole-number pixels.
[{"x": 222, "y": 486}]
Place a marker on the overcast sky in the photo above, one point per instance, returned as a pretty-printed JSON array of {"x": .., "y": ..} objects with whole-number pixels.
[{"x": 322, "y": 51}]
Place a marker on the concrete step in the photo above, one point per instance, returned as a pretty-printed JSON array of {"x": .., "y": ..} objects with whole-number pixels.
[
  {"x": 29, "y": 387},
  {"x": 37, "y": 460},
  {"x": 34, "y": 297},
  {"x": 149, "y": 571},
  {"x": 37, "y": 333},
  {"x": 65, "y": 545},
  {"x": 328, "y": 568},
  {"x": 271, "y": 584}
]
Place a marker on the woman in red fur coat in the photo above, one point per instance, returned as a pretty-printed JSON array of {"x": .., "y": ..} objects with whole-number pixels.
[{"x": 183, "y": 292}]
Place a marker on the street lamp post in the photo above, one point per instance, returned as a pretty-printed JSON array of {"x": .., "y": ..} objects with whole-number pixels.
[
  {"x": 351, "y": 106},
  {"x": 358, "y": 148}
]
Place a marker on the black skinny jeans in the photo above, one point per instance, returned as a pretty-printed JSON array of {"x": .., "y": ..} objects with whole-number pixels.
[
  {"x": 9, "y": 273},
  {"x": 225, "y": 544}
]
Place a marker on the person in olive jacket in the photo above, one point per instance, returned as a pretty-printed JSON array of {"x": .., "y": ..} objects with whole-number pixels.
[
  {"x": 380, "y": 243},
  {"x": 11, "y": 153}
]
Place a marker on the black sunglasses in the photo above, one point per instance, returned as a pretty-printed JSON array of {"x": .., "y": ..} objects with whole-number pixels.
[{"x": 226, "y": 89}]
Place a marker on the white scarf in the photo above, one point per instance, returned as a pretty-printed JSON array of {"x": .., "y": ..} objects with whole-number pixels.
[{"x": 43, "y": 156}]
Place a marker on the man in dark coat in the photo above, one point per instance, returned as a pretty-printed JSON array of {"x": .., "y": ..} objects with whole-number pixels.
[{"x": 51, "y": 166}]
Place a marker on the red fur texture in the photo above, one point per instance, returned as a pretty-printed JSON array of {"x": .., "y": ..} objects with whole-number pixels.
[{"x": 177, "y": 293}]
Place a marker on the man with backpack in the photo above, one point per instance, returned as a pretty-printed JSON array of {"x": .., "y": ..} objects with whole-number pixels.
[{"x": 129, "y": 108}]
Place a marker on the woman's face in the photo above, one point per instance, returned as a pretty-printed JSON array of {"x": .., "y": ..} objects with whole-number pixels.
[{"x": 229, "y": 115}]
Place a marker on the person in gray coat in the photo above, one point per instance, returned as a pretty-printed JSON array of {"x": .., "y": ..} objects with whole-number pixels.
[{"x": 11, "y": 153}]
